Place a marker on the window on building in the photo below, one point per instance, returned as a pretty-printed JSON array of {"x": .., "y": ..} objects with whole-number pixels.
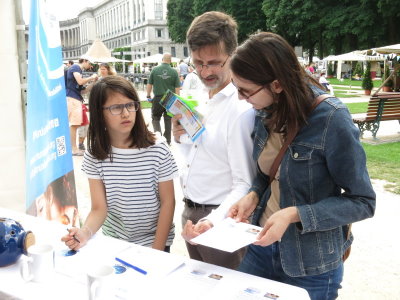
[
  {"x": 173, "y": 51},
  {"x": 160, "y": 50},
  {"x": 148, "y": 53},
  {"x": 185, "y": 52},
  {"x": 158, "y": 9},
  {"x": 159, "y": 32}
]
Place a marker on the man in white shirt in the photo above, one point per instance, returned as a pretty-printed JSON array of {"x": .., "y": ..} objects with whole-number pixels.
[{"x": 218, "y": 167}]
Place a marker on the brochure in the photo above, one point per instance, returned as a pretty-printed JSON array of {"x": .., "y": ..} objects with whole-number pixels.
[
  {"x": 191, "y": 120},
  {"x": 228, "y": 235}
]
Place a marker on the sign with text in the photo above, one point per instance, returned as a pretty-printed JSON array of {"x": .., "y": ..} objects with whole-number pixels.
[{"x": 49, "y": 176}]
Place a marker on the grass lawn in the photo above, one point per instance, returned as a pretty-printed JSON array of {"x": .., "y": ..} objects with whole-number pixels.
[
  {"x": 383, "y": 162},
  {"x": 357, "y": 108},
  {"x": 349, "y": 82}
]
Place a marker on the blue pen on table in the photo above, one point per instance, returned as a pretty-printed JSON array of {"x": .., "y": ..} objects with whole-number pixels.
[
  {"x": 74, "y": 237},
  {"x": 131, "y": 266}
]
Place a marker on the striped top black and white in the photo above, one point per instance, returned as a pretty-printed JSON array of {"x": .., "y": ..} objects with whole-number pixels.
[{"x": 131, "y": 184}]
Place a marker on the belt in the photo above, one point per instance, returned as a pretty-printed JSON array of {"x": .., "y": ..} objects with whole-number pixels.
[{"x": 192, "y": 204}]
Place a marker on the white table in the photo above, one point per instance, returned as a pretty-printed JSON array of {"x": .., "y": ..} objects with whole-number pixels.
[{"x": 190, "y": 281}]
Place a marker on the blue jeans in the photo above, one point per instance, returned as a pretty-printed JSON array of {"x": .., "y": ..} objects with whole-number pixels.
[{"x": 265, "y": 262}]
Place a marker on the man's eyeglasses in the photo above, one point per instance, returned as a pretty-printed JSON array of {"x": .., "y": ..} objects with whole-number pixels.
[
  {"x": 244, "y": 94},
  {"x": 117, "y": 109},
  {"x": 199, "y": 67}
]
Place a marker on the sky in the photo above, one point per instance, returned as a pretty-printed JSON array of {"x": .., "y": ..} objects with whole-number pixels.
[{"x": 63, "y": 9}]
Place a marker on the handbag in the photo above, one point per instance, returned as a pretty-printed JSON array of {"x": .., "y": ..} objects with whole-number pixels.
[{"x": 278, "y": 159}]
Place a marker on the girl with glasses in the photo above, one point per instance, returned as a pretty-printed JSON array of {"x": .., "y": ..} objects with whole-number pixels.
[
  {"x": 130, "y": 172},
  {"x": 322, "y": 182}
]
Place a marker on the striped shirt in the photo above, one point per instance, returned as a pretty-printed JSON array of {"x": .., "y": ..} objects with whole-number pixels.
[{"x": 131, "y": 184}]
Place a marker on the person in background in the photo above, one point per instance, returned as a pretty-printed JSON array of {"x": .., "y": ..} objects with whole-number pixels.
[
  {"x": 323, "y": 81},
  {"x": 183, "y": 69},
  {"x": 162, "y": 78},
  {"x": 322, "y": 184},
  {"x": 75, "y": 85},
  {"x": 136, "y": 206},
  {"x": 66, "y": 67},
  {"x": 106, "y": 70},
  {"x": 217, "y": 169},
  {"x": 83, "y": 129},
  {"x": 192, "y": 85}
]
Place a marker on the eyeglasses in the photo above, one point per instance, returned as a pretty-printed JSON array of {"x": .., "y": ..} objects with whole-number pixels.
[
  {"x": 244, "y": 94},
  {"x": 117, "y": 109},
  {"x": 199, "y": 67}
]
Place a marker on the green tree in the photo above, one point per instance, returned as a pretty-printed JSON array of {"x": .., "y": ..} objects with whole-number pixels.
[{"x": 180, "y": 15}]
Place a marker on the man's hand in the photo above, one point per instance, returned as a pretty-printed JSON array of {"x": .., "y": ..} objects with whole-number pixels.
[
  {"x": 242, "y": 209},
  {"x": 177, "y": 128},
  {"x": 190, "y": 231}
]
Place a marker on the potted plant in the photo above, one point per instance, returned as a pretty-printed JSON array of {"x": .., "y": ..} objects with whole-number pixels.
[
  {"x": 388, "y": 85},
  {"x": 330, "y": 70},
  {"x": 367, "y": 83}
]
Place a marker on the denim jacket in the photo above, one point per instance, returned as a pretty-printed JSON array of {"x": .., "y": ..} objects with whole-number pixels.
[{"x": 323, "y": 173}]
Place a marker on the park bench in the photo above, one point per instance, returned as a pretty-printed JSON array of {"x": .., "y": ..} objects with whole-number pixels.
[{"x": 381, "y": 107}]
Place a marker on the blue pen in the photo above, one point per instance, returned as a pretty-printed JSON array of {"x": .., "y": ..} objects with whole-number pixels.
[{"x": 131, "y": 266}]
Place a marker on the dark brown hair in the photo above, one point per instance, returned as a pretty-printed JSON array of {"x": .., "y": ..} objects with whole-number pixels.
[
  {"x": 98, "y": 139},
  {"x": 266, "y": 57},
  {"x": 212, "y": 28}
]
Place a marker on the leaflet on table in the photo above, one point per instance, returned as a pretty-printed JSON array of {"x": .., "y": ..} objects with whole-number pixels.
[
  {"x": 229, "y": 235},
  {"x": 149, "y": 262},
  {"x": 191, "y": 119}
]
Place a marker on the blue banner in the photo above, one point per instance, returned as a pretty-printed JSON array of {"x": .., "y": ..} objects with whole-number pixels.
[{"x": 49, "y": 166}]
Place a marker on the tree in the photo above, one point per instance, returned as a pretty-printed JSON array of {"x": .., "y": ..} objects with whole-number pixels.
[{"x": 180, "y": 15}]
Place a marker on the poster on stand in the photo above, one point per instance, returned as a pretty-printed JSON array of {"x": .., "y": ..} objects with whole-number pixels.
[{"x": 50, "y": 179}]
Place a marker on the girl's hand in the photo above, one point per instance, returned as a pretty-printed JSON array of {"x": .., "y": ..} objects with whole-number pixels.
[
  {"x": 77, "y": 237},
  {"x": 276, "y": 226},
  {"x": 242, "y": 209}
]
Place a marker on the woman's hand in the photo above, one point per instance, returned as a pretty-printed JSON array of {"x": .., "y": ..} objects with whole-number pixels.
[
  {"x": 276, "y": 226},
  {"x": 77, "y": 237},
  {"x": 242, "y": 209},
  {"x": 190, "y": 231}
]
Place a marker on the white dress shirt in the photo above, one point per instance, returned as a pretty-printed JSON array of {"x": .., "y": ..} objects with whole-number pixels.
[{"x": 218, "y": 166}]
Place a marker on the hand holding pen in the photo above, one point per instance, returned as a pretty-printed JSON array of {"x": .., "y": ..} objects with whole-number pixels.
[{"x": 77, "y": 237}]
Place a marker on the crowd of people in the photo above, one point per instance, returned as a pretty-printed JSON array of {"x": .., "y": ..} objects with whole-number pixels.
[{"x": 278, "y": 151}]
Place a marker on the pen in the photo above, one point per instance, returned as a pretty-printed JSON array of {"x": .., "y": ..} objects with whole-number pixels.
[
  {"x": 131, "y": 266},
  {"x": 74, "y": 237}
]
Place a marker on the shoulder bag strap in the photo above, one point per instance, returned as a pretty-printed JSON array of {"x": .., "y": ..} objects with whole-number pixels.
[{"x": 289, "y": 140}]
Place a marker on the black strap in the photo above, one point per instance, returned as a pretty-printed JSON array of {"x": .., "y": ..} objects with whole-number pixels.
[{"x": 289, "y": 139}]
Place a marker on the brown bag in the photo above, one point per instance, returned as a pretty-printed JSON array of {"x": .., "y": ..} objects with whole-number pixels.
[{"x": 346, "y": 253}]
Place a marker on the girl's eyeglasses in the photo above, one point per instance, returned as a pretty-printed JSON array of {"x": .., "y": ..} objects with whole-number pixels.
[
  {"x": 117, "y": 109},
  {"x": 244, "y": 94}
]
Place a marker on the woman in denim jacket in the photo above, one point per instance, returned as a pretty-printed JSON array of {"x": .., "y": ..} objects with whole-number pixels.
[{"x": 322, "y": 183}]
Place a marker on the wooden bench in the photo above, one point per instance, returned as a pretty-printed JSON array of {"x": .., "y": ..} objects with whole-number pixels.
[{"x": 381, "y": 107}]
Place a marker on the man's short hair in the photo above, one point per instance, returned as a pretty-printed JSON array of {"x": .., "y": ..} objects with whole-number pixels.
[{"x": 211, "y": 28}]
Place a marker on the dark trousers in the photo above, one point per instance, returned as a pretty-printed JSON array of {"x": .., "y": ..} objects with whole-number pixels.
[
  {"x": 207, "y": 254},
  {"x": 158, "y": 111}
]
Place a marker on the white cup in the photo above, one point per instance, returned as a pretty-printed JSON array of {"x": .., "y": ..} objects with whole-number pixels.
[
  {"x": 39, "y": 265},
  {"x": 100, "y": 282}
]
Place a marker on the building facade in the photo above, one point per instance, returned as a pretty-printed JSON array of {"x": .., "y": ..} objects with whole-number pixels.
[{"x": 140, "y": 25}]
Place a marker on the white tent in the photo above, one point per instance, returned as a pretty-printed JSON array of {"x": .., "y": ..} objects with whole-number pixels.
[
  {"x": 388, "y": 49},
  {"x": 156, "y": 58},
  {"x": 351, "y": 56},
  {"x": 98, "y": 52}
]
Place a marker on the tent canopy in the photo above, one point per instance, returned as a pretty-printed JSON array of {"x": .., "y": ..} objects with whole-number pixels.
[
  {"x": 388, "y": 49},
  {"x": 156, "y": 58},
  {"x": 353, "y": 56},
  {"x": 98, "y": 52}
]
